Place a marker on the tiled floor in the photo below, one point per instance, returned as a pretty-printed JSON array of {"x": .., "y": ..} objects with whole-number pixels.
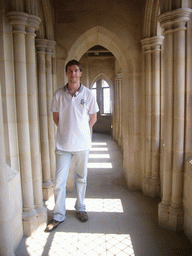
[{"x": 121, "y": 222}]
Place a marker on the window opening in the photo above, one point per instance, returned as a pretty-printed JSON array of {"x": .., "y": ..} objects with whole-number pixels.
[
  {"x": 106, "y": 97},
  {"x": 101, "y": 91},
  {"x": 94, "y": 89}
]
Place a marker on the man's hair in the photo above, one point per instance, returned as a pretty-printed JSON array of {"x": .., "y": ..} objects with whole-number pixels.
[{"x": 71, "y": 63}]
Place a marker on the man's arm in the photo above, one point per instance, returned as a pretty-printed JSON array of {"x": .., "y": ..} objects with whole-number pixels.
[
  {"x": 92, "y": 120},
  {"x": 56, "y": 118}
]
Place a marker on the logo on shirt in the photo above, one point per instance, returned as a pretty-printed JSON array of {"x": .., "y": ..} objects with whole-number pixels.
[{"x": 82, "y": 101}]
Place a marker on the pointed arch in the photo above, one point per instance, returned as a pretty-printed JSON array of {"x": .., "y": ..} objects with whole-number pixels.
[
  {"x": 46, "y": 30},
  {"x": 99, "y": 36},
  {"x": 104, "y": 77},
  {"x": 152, "y": 10}
]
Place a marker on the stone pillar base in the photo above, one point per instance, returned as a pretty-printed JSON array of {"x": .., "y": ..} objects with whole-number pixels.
[
  {"x": 47, "y": 192},
  {"x": 146, "y": 186},
  {"x": 170, "y": 218},
  {"x": 151, "y": 187},
  {"x": 163, "y": 215},
  {"x": 42, "y": 216},
  {"x": 176, "y": 219},
  {"x": 119, "y": 141},
  {"x": 30, "y": 224},
  {"x": 154, "y": 188}
]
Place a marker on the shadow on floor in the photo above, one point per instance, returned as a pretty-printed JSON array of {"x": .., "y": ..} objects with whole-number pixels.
[{"x": 121, "y": 222}]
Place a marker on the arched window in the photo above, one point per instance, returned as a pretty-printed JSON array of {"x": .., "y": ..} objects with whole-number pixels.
[
  {"x": 94, "y": 89},
  {"x": 106, "y": 97},
  {"x": 101, "y": 91}
]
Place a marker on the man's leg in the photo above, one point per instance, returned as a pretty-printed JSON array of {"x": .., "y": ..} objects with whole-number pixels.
[
  {"x": 81, "y": 159},
  {"x": 63, "y": 160}
]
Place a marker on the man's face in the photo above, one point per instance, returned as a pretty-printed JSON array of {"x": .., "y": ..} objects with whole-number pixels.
[{"x": 73, "y": 73}]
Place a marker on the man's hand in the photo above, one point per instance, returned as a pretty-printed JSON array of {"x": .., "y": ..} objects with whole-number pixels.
[
  {"x": 56, "y": 118},
  {"x": 92, "y": 120}
]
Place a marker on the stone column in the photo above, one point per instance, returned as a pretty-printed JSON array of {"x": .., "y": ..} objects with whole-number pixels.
[
  {"x": 152, "y": 47},
  {"x": 55, "y": 70},
  {"x": 6, "y": 241},
  {"x": 118, "y": 109},
  {"x": 32, "y": 25},
  {"x": 167, "y": 125},
  {"x": 41, "y": 45},
  {"x": 148, "y": 153},
  {"x": 156, "y": 124},
  {"x": 176, "y": 209},
  {"x": 119, "y": 114},
  {"x": 49, "y": 82},
  {"x": 171, "y": 209},
  {"x": 19, "y": 21},
  {"x": 115, "y": 114}
]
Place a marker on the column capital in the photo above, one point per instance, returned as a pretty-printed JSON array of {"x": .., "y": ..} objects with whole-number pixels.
[
  {"x": 152, "y": 42},
  {"x": 119, "y": 75},
  {"x": 41, "y": 44},
  {"x": 33, "y": 22},
  {"x": 51, "y": 46},
  {"x": 175, "y": 19},
  {"x": 18, "y": 19}
]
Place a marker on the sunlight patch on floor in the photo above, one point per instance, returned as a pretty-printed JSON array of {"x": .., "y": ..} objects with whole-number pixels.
[
  {"x": 97, "y": 204},
  {"x": 92, "y": 204},
  {"x": 99, "y": 149},
  {"x": 72, "y": 243},
  {"x": 99, "y": 156},
  {"x": 99, "y": 165},
  {"x": 99, "y": 143}
]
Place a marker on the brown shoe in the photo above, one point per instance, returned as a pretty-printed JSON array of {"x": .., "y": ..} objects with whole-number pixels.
[
  {"x": 53, "y": 224},
  {"x": 82, "y": 216}
]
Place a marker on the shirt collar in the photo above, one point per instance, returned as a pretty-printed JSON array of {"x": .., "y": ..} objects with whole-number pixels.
[{"x": 79, "y": 91}]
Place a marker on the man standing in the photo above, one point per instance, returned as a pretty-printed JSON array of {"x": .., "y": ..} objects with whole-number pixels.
[{"x": 74, "y": 112}]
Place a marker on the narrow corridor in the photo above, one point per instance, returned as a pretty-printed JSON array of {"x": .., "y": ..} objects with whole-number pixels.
[{"x": 121, "y": 222}]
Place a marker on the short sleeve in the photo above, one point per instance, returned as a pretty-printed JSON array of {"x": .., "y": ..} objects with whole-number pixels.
[{"x": 93, "y": 107}]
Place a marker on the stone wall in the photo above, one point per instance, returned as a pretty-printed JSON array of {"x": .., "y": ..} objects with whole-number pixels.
[{"x": 150, "y": 77}]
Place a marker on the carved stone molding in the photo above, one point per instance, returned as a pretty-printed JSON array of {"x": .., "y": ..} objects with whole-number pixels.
[
  {"x": 45, "y": 45},
  {"x": 152, "y": 42},
  {"x": 175, "y": 19},
  {"x": 18, "y": 19}
]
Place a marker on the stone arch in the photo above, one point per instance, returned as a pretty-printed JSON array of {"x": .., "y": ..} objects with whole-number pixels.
[
  {"x": 168, "y": 6},
  {"x": 46, "y": 29},
  {"x": 99, "y": 36},
  {"x": 102, "y": 76},
  {"x": 152, "y": 11}
]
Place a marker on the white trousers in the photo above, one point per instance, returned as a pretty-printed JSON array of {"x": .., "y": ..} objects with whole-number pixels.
[{"x": 63, "y": 162}]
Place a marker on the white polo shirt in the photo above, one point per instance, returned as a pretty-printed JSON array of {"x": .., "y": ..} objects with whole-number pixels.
[{"x": 73, "y": 133}]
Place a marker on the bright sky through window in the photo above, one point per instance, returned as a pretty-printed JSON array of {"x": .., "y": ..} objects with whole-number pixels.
[
  {"x": 106, "y": 97},
  {"x": 94, "y": 90},
  {"x": 104, "y": 93}
]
